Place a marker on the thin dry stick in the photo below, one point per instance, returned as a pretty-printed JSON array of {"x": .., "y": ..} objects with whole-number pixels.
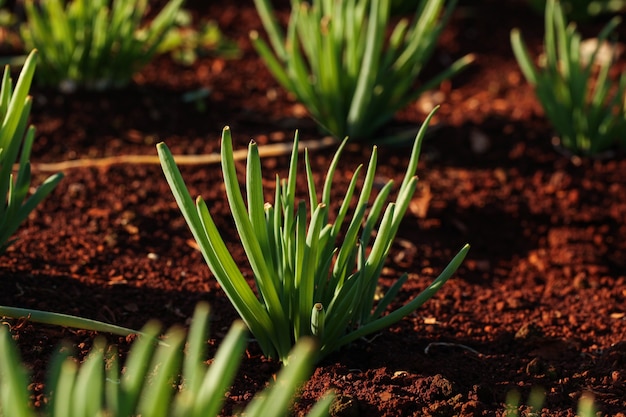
[
  {"x": 276, "y": 149},
  {"x": 433, "y": 344}
]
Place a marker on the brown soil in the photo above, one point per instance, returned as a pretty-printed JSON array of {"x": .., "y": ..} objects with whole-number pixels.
[{"x": 539, "y": 300}]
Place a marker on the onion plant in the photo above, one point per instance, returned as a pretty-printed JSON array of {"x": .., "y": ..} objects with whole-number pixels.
[
  {"x": 156, "y": 380},
  {"x": 16, "y": 139},
  {"x": 337, "y": 59},
  {"x": 535, "y": 405},
  {"x": 94, "y": 44},
  {"x": 308, "y": 281},
  {"x": 186, "y": 44},
  {"x": 586, "y": 108},
  {"x": 14, "y": 136}
]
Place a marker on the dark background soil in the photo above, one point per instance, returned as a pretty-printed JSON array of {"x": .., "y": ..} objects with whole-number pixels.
[{"x": 540, "y": 298}]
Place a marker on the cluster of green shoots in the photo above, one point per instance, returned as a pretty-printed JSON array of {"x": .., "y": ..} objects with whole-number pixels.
[
  {"x": 534, "y": 407},
  {"x": 337, "y": 59},
  {"x": 587, "y": 109},
  {"x": 15, "y": 137},
  {"x": 309, "y": 281},
  {"x": 185, "y": 44},
  {"x": 93, "y": 44},
  {"x": 15, "y": 106},
  {"x": 157, "y": 380}
]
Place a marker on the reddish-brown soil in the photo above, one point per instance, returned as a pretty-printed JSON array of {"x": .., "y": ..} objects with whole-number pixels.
[{"x": 539, "y": 300}]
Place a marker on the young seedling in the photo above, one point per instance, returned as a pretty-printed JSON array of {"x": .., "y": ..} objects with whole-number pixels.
[
  {"x": 309, "y": 281},
  {"x": 587, "y": 109},
  {"x": 339, "y": 61}
]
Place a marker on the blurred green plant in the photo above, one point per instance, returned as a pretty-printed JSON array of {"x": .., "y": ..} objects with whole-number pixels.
[
  {"x": 15, "y": 109},
  {"x": 536, "y": 399},
  {"x": 581, "y": 10},
  {"x": 157, "y": 380},
  {"x": 338, "y": 60},
  {"x": 94, "y": 44},
  {"x": 7, "y": 18},
  {"x": 585, "y": 107},
  {"x": 185, "y": 44},
  {"x": 308, "y": 283},
  {"x": 15, "y": 136}
]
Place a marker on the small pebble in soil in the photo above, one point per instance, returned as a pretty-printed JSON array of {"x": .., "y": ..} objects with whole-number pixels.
[
  {"x": 539, "y": 368},
  {"x": 529, "y": 332}
]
